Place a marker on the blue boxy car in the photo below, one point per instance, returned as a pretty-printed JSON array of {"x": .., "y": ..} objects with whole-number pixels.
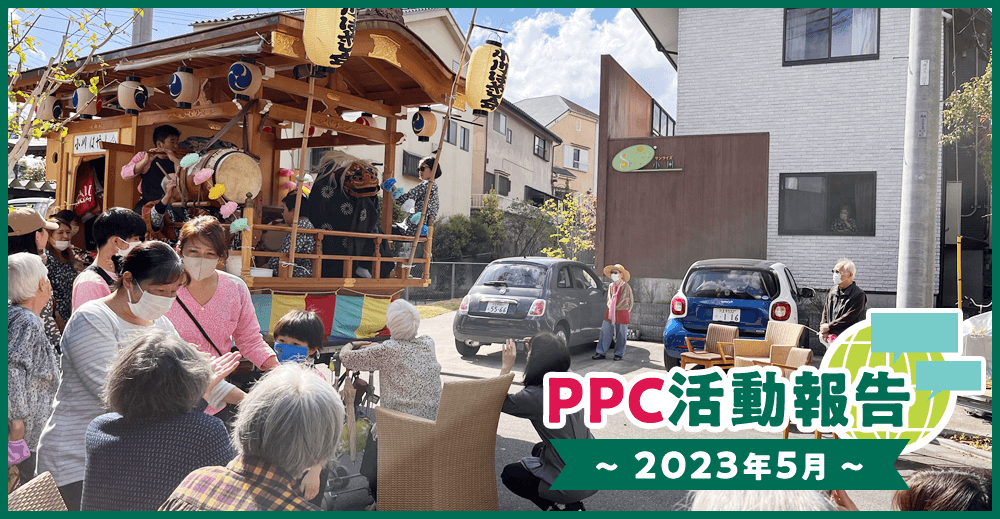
[{"x": 746, "y": 293}]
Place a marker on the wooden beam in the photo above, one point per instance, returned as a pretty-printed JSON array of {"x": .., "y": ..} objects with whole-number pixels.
[
  {"x": 409, "y": 97},
  {"x": 330, "y": 97},
  {"x": 182, "y": 115},
  {"x": 351, "y": 82},
  {"x": 287, "y": 113},
  {"x": 99, "y": 125},
  {"x": 383, "y": 73},
  {"x": 325, "y": 141}
]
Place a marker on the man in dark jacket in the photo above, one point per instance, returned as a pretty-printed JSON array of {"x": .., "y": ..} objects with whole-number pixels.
[{"x": 845, "y": 304}]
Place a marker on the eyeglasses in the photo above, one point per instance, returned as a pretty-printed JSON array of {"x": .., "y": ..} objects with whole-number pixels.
[{"x": 836, "y": 271}]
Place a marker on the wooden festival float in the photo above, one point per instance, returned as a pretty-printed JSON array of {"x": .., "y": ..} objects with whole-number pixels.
[{"x": 189, "y": 82}]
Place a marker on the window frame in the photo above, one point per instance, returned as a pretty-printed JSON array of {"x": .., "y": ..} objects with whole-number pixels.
[
  {"x": 489, "y": 181},
  {"x": 829, "y": 59},
  {"x": 510, "y": 136},
  {"x": 659, "y": 127},
  {"x": 465, "y": 139},
  {"x": 451, "y": 133},
  {"x": 782, "y": 231},
  {"x": 411, "y": 157},
  {"x": 544, "y": 155},
  {"x": 500, "y": 123},
  {"x": 502, "y": 176}
]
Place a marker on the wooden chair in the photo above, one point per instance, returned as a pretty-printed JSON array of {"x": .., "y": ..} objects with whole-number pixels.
[
  {"x": 38, "y": 495},
  {"x": 746, "y": 351},
  {"x": 794, "y": 358},
  {"x": 718, "y": 349},
  {"x": 446, "y": 464}
]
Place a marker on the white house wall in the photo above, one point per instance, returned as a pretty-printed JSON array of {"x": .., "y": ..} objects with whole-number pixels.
[{"x": 832, "y": 117}]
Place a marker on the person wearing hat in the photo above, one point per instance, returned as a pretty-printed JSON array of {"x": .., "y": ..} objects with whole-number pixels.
[
  {"x": 616, "y": 318},
  {"x": 27, "y": 231}
]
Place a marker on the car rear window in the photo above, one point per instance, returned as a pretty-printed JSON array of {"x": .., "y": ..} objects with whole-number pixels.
[
  {"x": 732, "y": 283},
  {"x": 521, "y": 275}
]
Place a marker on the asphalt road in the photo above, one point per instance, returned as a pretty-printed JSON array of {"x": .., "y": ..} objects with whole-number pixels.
[{"x": 516, "y": 436}]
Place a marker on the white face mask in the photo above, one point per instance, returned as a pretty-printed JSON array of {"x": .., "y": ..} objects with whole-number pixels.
[
  {"x": 124, "y": 252},
  {"x": 200, "y": 268},
  {"x": 149, "y": 306},
  {"x": 614, "y": 277},
  {"x": 837, "y": 279},
  {"x": 61, "y": 245}
]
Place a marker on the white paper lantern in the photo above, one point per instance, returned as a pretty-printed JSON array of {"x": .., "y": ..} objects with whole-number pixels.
[
  {"x": 132, "y": 95},
  {"x": 487, "y": 77},
  {"x": 244, "y": 78},
  {"x": 328, "y": 35},
  {"x": 423, "y": 123},
  {"x": 50, "y": 109},
  {"x": 86, "y": 103},
  {"x": 183, "y": 87},
  {"x": 366, "y": 119}
]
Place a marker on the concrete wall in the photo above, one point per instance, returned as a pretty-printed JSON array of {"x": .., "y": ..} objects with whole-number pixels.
[
  {"x": 832, "y": 117},
  {"x": 585, "y": 138}
]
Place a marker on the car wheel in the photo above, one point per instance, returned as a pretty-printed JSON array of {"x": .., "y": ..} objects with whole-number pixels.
[
  {"x": 339, "y": 480},
  {"x": 562, "y": 332},
  {"x": 671, "y": 362},
  {"x": 466, "y": 350}
]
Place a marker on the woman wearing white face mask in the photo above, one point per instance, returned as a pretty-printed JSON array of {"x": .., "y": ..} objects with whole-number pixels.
[
  {"x": 214, "y": 310},
  {"x": 63, "y": 266},
  {"x": 616, "y": 316},
  {"x": 150, "y": 276}
]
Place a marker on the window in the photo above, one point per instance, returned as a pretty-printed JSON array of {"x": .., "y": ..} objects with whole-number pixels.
[
  {"x": 500, "y": 123},
  {"x": 575, "y": 158},
  {"x": 564, "y": 280},
  {"x": 827, "y": 204},
  {"x": 541, "y": 147},
  {"x": 579, "y": 125},
  {"x": 830, "y": 35},
  {"x": 410, "y": 163},
  {"x": 451, "y": 137},
  {"x": 489, "y": 182},
  {"x": 582, "y": 279},
  {"x": 465, "y": 139},
  {"x": 503, "y": 185},
  {"x": 662, "y": 123},
  {"x": 510, "y": 136}
]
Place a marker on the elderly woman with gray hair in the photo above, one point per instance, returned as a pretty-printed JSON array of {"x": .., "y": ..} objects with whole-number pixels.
[
  {"x": 287, "y": 427},
  {"x": 157, "y": 432},
  {"x": 32, "y": 368}
]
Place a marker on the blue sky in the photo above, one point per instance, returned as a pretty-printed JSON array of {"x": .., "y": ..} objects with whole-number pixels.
[{"x": 553, "y": 51}]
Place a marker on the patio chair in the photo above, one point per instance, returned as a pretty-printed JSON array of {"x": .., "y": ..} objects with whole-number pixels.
[
  {"x": 448, "y": 463},
  {"x": 746, "y": 351},
  {"x": 38, "y": 495},
  {"x": 718, "y": 349},
  {"x": 794, "y": 358}
]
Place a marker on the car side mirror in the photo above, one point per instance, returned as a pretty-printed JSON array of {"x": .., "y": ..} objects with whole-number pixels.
[{"x": 806, "y": 293}]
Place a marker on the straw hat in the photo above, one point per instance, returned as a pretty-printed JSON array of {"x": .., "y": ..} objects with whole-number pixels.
[{"x": 617, "y": 266}]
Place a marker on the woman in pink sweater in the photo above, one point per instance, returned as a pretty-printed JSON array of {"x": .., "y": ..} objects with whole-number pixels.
[{"x": 219, "y": 302}]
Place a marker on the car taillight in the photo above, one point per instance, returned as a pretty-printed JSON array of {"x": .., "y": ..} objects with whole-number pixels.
[
  {"x": 781, "y": 311},
  {"x": 464, "y": 307},
  {"x": 678, "y": 306},
  {"x": 537, "y": 308}
]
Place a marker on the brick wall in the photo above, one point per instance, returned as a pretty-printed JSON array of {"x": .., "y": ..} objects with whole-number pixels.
[{"x": 833, "y": 117}]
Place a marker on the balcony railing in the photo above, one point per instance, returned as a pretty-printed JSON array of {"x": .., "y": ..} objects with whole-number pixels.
[{"x": 477, "y": 202}]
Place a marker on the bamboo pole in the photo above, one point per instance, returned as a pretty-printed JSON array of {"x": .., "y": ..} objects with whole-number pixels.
[
  {"x": 958, "y": 264},
  {"x": 437, "y": 158},
  {"x": 298, "y": 182}
]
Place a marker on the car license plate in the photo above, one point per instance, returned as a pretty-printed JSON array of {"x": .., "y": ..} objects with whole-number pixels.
[
  {"x": 726, "y": 315},
  {"x": 495, "y": 307}
]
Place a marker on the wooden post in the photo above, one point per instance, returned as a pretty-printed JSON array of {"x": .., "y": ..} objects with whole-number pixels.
[
  {"x": 298, "y": 182},
  {"x": 246, "y": 245},
  {"x": 958, "y": 264},
  {"x": 388, "y": 171},
  {"x": 437, "y": 156}
]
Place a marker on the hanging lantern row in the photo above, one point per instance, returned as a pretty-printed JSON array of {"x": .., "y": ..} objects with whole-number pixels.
[
  {"x": 183, "y": 87},
  {"x": 86, "y": 103},
  {"x": 50, "y": 109},
  {"x": 487, "y": 77},
  {"x": 366, "y": 119},
  {"x": 132, "y": 95},
  {"x": 423, "y": 123},
  {"x": 328, "y": 36},
  {"x": 244, "y": 78}
]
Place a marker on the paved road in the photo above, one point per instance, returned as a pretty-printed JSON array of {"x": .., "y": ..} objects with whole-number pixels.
[{"x": 516, "y": 436}]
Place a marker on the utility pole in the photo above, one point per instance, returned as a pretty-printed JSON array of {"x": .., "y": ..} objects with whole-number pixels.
[
  {"x": 142, "y": 27},
  {"x": 917, "y": 222}
]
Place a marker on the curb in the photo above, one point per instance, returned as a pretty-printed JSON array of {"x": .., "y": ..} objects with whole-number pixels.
[{"x": 961, "y": 447}]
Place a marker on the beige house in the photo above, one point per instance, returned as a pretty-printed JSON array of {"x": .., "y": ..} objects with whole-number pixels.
[
  {"x": 575, "y": 160},
  {"x": 513, "y": 154}
]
